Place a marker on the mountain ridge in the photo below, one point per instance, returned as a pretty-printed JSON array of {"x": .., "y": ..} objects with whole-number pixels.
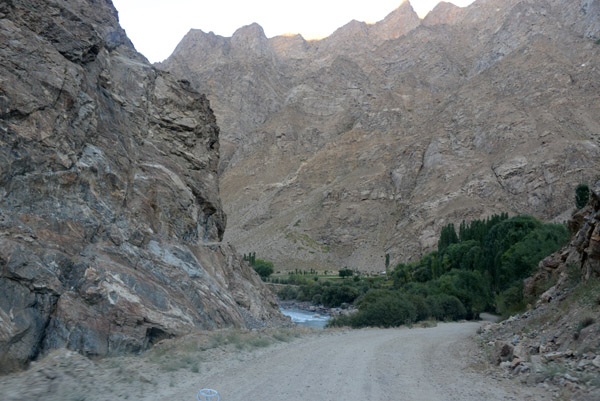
[{"x": 365, "y": 148}]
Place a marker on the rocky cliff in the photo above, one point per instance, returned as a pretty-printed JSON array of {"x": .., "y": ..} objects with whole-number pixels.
[
  {"x": 557, "y": 340},
  {"x": 110, "y": 217},
  {"x": 339, "y": 151}
]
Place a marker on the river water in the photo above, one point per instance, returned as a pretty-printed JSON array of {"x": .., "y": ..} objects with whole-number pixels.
[{"x": 305, "y": 318}]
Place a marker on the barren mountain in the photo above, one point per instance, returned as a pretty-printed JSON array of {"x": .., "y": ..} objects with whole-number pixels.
[
  {"x": 110, "y": 217},
  {"x": 338, "y": 151}
]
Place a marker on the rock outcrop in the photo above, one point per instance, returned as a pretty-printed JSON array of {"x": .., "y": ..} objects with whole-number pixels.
[
  {"x": 339, "y": 151},
  {"x": 110, "y": 217},
  {"x": 557, "y": 340},
  {"x": 582, "y": 254}
]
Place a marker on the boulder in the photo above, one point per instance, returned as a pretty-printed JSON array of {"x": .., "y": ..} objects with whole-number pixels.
[{"x": 503, "y": 352}]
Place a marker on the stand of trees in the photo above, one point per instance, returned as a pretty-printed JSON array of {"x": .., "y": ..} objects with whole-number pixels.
[
  {"x": 485, "y": 263},
  {"x": 479, "y": 268}
]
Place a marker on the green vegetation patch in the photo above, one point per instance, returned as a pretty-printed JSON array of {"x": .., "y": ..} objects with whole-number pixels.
[
  {"x": 582, "y": 195},
  {"x": 264, "y": 268},
  {"x": 479, "y": 268}
]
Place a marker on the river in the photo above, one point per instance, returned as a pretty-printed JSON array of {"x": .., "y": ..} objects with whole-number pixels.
[{"x": 305, "y": 318}]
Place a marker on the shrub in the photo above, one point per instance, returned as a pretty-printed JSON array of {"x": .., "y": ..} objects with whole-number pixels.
[
  {"x": 297, "y": 279},
  {"x": 446, "y": 307},
  {"x": 336, "y": 295},
  {"x": 263, "y": 268},
  {"x": 287, "y": 293},
  {"x": 339, "y": 321},
  {"x": 421, "y": 306},
  {"x": 387, "y": 311},
  {"x": 417, "y": 289},
  {"x": 510, "y": 301},
  {"x": 468, "y": 286},
  {"x": 372, "y": 296}
]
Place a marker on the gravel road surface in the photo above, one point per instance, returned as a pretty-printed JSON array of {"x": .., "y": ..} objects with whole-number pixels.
[{"x": 426, "y": 364}]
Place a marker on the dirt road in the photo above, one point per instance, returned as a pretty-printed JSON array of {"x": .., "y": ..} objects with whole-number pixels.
[
  {"x": 419, "y": 364},
  {"x": 426, "y": 364}
]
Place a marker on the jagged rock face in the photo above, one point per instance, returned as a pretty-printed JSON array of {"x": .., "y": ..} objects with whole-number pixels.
[
  {"x": 585, "y": 244},
  {"x": 342, "y": 150},
  {"x": 557, "y": 329},
  {"x": 583, "y": 252},
  {"x": 110, "y": 217},
  {"x": 442, "y": 13}
]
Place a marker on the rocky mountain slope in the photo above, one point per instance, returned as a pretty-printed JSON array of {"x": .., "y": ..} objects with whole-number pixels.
[
  {"x": 110, "y": 217},
  {"x": 338, "y": 151},
  {"x": 556, "y": 343}
]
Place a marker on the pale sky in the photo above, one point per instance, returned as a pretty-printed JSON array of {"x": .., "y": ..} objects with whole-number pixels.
[{"x": 156, "y": 26}]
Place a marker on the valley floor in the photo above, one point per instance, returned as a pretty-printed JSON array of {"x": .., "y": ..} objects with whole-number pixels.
[{"x": 439, "y": 363}]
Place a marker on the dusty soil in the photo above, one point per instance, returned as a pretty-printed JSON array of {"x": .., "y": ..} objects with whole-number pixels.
[{"x": 439, "y": 363}]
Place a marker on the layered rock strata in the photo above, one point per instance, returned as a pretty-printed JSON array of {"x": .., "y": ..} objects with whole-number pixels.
[{"x": 110, "y": 217}]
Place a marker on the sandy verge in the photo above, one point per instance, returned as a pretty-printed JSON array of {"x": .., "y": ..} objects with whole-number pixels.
[{"x": 429, "y": 364}]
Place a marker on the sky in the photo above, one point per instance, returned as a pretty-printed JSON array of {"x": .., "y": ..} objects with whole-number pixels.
[{"x": 156, "y": 26}]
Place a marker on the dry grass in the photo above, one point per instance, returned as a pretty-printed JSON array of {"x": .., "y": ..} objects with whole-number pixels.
[
  {"x": 426, "y": 324},
  {"x": 187, "y": 353},
  {"x": 165, "y": 365}
]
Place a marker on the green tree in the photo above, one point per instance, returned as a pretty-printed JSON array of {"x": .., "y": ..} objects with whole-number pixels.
[
  {"x": 287, "y": 293},
  {"x": 582, "y": 195},
  {"x": 336, "y": 295},
  {"x": 500, "y": 238},
  {"x": 345, "y": 273},
  {"x": 478, "y": 229},
  {"x": 263, "y": 268},
  {"x": 469, "y": 287},
  {"x": 463, "y": 255},
  {"x": 522, "y": 258},
  {"x": 446, "y": 307},
  {"x": 510, "y": 301},
  {"x": 422, "y": 273},
  {"x": 447, "y": 236},
  {"x": 400, "y": 275}
]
